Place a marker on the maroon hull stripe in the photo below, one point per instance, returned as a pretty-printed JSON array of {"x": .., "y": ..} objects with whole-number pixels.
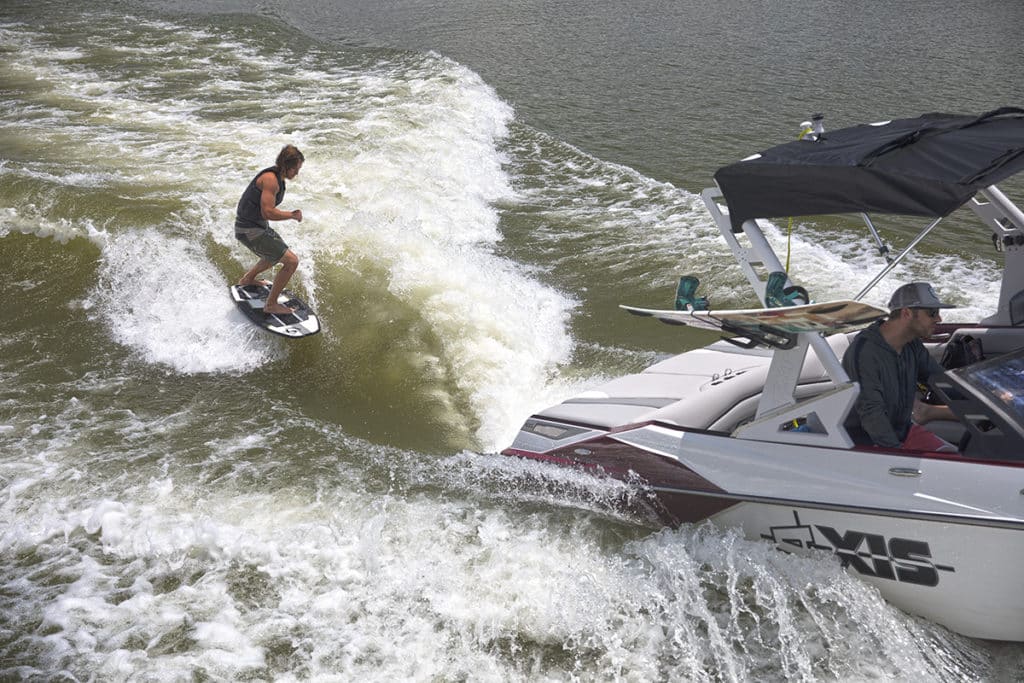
[
  {"x": 681, "y": 508},
  {"x": 628, "y": 463}
]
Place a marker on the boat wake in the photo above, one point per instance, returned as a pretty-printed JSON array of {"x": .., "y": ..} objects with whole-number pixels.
[{"x": 201, "y": 500}]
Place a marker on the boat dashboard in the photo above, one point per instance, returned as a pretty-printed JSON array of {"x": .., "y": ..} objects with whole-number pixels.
[{"x": 988, "y": 399}]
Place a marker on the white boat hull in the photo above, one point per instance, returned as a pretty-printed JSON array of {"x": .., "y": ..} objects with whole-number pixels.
[
  {"x": 962, "y": 576},
  {"x": 940, "y": 537}
]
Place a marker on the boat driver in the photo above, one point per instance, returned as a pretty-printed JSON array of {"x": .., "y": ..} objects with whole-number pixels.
[{"x": 889, "y": 360}]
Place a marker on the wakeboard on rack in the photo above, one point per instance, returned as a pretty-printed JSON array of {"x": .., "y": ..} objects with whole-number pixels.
[
  {"x": 776, "y": 327},
  {"x": 301, "y": 322}
]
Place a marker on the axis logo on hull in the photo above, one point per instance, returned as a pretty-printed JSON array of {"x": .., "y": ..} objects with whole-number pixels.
[{"x": 895, "y": 559}]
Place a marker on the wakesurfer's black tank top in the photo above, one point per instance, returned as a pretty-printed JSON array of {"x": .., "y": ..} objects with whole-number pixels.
[{"x": 248, "y": 215}]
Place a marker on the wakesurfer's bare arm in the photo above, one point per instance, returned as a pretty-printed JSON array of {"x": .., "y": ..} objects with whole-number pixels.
[{"x": 268, "y": 195}]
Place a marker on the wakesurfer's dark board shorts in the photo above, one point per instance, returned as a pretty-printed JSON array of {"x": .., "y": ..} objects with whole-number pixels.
[{"x": 267, "y": 244}]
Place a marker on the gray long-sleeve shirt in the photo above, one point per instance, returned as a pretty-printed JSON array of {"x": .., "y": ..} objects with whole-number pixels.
[{"x": 888, "y": 384}]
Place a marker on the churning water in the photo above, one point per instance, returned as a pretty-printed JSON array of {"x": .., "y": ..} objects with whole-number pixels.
[{"x": 184, "y": 498}]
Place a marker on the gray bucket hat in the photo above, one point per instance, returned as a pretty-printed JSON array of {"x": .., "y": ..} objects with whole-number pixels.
[{"x": 916, "y": 295}]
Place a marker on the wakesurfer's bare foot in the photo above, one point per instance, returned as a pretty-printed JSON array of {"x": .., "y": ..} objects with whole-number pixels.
[
  {"x": 245, "y": 283},
  {"x": 277, "y": 309}
]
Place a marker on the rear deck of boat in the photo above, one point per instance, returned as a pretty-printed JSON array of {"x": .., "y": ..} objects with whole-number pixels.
[{"x": 718, "y": 387}]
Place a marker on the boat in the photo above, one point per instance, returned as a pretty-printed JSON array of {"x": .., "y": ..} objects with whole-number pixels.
[{"x": 748, "y": 432}]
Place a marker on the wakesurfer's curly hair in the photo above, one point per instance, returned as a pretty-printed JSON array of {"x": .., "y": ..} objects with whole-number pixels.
[{"x": 289, "y": 157}]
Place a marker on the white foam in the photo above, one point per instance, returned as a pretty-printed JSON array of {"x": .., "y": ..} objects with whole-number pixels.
[
  {"x": 499, "y": 570},
  {"x": 839, "y": 266},
  {"x": 160, "y": 296},
  {"x": 451, "y": 586},
  {"x": 501, "y": 331},
  {"x": 23, "y": 221},
  {"x": 108, "y": 519}
]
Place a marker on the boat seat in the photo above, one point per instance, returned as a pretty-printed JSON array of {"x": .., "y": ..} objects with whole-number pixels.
[
  {"x": 715, "y": 387},
  {"x": 995, "y": 341},
  {"x": 667, "y": 388}
]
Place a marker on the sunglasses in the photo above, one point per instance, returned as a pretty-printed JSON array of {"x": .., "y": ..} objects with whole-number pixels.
[{"x": 930, "y": 312}]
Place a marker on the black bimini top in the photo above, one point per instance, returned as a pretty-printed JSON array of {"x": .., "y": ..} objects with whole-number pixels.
[{"x": 927, "y": 166}]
